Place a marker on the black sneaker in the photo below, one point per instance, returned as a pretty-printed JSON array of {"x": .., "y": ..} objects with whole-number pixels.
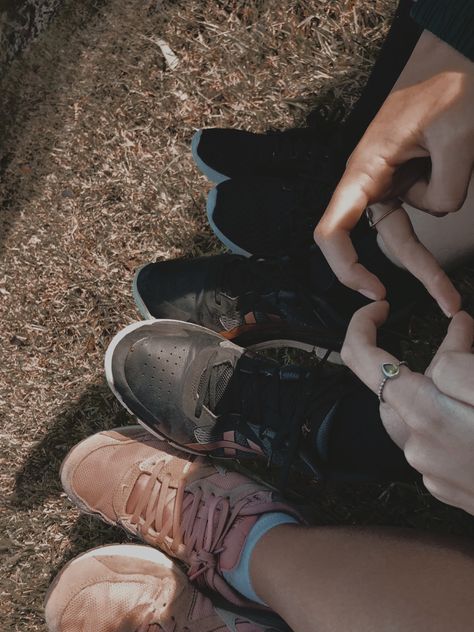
[
  {"x": 273, "y": 303},
  {"x": 253, "y": 302},
  {"x": 206, "y": 395},
  {"x": 267, "y": 217},
  {"x": 228, "y": 153}
]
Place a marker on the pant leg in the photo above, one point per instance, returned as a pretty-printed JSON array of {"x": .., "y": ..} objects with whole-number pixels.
[{"x": 394, "y": 54}]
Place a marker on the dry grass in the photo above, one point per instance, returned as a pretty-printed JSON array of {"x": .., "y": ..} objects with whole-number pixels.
[{"x": 96, "y": 178}]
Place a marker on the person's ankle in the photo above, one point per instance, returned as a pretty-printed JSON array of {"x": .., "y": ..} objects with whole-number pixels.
[{"x": 239, "y": 576}]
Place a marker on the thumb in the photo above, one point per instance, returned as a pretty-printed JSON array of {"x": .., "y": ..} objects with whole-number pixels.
[
  {"x": 446, "y": 189},
  {"x": 459, "y": 338}
]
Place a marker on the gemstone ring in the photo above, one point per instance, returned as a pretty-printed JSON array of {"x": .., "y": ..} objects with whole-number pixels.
[{"x": 389, "y": 371}]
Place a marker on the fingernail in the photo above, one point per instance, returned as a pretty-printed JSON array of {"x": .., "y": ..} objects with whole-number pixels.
[
  {"x": 446, "y": 312},
  {"x": 369, "y": 294}
]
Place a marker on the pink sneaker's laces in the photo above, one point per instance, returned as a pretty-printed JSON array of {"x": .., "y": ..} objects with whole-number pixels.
[{"x": 196, "y": 523}]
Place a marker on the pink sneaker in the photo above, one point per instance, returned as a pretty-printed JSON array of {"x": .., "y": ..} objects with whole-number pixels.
[
  {"x": 187, "y": 506},
  {"x": 133, "y": 588}
]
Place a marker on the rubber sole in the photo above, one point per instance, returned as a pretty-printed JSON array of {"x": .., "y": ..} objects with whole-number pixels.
[
  {"x": 211, "y": 205},
  {"x": 147, "y": 553},
  {"x": 210, "y": 173},
  {"x": 142, "y": 308}
]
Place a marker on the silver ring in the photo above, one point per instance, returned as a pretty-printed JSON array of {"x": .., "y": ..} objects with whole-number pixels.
[
  {"x": 389, "y": 372},
  {"x": 391, "y": 206}
]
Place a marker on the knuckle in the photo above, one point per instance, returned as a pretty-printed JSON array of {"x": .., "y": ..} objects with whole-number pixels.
[
  {"x": 345, "y": 275},
  {"x": 347, "y": 354},
  {"x": 448, "y": 205},
  {"x": 441, "y": 367},
  {"x": 464, "y": 321},
  {"x": 444, "y": 410},
  {"x": 445, "y": 492},
  {"x": 419, "y": 455},
  {"x": 322, "y": 232},
  {"x": 433, "y": 486},
  {"x": 418, "y": 410},
  {"x": 437, "y": 279},
  {"x": 414, "y": 455}
]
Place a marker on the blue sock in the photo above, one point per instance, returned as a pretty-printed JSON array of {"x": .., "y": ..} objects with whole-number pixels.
[{"x": 239, "y": 576}]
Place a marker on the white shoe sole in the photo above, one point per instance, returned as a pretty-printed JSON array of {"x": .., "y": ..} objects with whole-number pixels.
[{"x": 211, "y": 174}]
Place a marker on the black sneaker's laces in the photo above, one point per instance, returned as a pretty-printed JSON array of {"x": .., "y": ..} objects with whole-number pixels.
[
  {"x": 255, "y": 284},
  {"x": 271, "y": 401},
  {"x": 292, "y": 390}
]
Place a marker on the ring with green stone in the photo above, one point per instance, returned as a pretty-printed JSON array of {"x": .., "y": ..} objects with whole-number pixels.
[{"x": 389, "y": 372}]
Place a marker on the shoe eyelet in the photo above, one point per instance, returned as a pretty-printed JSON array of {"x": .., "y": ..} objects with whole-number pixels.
[{"x": 146, "y": 465}]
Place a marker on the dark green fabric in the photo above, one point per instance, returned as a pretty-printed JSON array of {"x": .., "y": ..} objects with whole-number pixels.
[{"x": 450, "y": 20}]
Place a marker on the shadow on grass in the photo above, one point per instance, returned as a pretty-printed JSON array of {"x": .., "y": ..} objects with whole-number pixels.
[
  {"x": 88, "y": 533},
  {"x": 38, "y": 478},
  {"x": 33, "y": 82},
  {"x": 394, "y": 505},
  {"x": 399, "y": 505}
]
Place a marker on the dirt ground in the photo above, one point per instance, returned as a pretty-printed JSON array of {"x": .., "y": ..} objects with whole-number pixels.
[{"x": 96, "y": 178}]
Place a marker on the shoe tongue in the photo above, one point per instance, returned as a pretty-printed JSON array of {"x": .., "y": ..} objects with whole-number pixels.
[
  {"x": 234, "y": 542},
  {"x": 212, "y": 386}
]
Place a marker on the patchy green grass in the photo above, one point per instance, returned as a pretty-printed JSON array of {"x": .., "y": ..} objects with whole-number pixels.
[{"x": 96, "y": 178}]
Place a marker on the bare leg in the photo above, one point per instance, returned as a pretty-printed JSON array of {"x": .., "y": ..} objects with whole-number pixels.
[{"x": 364, "y": 580}]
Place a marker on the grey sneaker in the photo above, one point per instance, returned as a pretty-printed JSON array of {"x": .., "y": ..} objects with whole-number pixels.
[{"x": 205, "y": 394}]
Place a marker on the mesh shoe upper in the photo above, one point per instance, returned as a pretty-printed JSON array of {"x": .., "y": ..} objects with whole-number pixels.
[
  {"x": 236, "y": 296},
  {"x": 132, "y": 588},
  {"x": 186, "y": 506},
  {"x": 267, "y": 217},
  {"x": 208, "y": 395},
  {"x": 233, "y": 153},
  {"x": 220, "y": 292}
]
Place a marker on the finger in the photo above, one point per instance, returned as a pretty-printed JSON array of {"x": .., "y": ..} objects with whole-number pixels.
[
  {"x": 446, "y": 189},
  {"x": 409, "y": 172},
  {"x": 459, "y": 337},
  {"x": 453, "y": 375},
  {"x": 409, "y": 394},
  {"x": 449, "y": 493},
  {"x": 401, "y": 240},
  {"x": 396, "y": 428},
  {"x": 360, "y": 351},
  {"x": 332, "y": 234}
]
